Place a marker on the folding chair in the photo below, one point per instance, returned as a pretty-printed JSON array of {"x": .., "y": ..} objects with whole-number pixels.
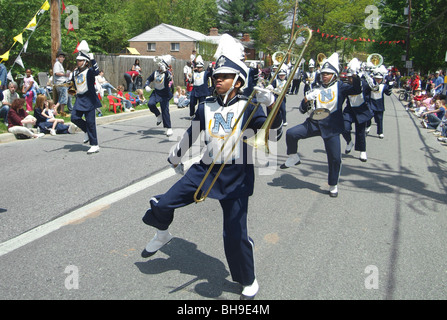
[{"x": 114, "y": 102}]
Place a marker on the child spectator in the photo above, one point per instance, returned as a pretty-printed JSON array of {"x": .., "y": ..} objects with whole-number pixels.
[
  {"x": 183, "y": 100},
  {"x": 28, "y": 90},
  {"x": 49, "y": 112},
  {"x": 141, "y": 98},
  {"x": 126, "y": 103}
]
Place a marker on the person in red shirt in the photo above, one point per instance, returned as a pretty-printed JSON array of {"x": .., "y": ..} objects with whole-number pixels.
[{"x": 20, "y": 122}]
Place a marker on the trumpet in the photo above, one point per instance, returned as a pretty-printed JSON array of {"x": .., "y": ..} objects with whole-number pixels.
[{"x": 262, "y": 136}]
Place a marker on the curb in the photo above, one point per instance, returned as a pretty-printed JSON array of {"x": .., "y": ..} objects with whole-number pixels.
[{"x": 9, "y": 137}]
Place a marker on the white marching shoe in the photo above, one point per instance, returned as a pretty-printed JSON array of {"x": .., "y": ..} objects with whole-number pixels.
[
  {"x": 93, "y": 149},
  {"x": 333, "y": 191},
  {"x": 363, "y": 156},
  {"x": 249, "y": 292},
  {"x": 349, "y": 147},
  {"x": 169, "y": 132},
  {"x": 159, "y": 119},
  {"x": 161, "y": 238},
  {"x": 294, "y": 159}
]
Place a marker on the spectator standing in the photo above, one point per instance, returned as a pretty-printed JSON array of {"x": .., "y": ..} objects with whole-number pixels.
[
  {"x": 60, "y": 78},
  {"x": 3, "y": 77},
  {"x": 439, "y": 82}
]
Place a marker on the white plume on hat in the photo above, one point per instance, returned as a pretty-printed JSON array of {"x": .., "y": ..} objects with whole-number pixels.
[
  {"x": 229, "y": 47},
  {"x": 311, "y": 63},
  {"x": 354, "y": 66},
  {"x": 331, "y": 65},
  {"x": 83, "y": 47},
  {"x": 83, "y": 50},
  {"x": 165, "y": 59},
  {"x": 199, "y": 61}
]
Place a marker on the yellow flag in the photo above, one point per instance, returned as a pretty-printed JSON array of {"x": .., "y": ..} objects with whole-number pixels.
[
  {"x": 19, "y": 38},
  {"x": 5, "y": 56},
  {"x": 45, "y": 6},
  {"x": 32, "y": 23}
]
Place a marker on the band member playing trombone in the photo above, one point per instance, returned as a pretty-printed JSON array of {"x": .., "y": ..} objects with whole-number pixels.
[
  {"x": 216, "y": 117},
  {"x": 329, "y": 98},
  {"x": 357, "y": 111}
]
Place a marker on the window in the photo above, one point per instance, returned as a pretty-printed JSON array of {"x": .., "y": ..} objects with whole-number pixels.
[
  {"x": 175, "y": 46},
  {"x": 151, "y": 46}
]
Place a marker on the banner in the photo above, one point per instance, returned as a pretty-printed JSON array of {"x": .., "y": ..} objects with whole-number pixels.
[
  {"x": 360, "y": 39},
  {"x": 19, "y": 38}
]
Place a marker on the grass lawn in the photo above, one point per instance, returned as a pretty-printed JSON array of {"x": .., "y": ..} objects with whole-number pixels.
[{"x": 104, "y": 109}]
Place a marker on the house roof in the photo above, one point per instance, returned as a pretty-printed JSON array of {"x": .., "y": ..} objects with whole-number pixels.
[{"x": 166, "y": 32}]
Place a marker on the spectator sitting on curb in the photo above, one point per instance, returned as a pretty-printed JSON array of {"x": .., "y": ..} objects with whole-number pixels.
[
  {"x": 41, "y": 121},
  {"x": 432, "y": 119},
  {"x": 20, "y": 122}
]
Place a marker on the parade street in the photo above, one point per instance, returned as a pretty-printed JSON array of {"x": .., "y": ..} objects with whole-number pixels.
[{"x": 71, "y": 228}]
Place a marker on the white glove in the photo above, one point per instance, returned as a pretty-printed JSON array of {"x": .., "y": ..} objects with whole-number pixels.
[
  {"x": 312, "y": 94},
  {"x": 354, "y": 65},
  {"x": 148, "y": 89},
  {"x": 180, "y": 168},
  {"x": 90, "y": 56},
  {"x": 264, "y": 96},
  {"x": 391, "y": 83}
]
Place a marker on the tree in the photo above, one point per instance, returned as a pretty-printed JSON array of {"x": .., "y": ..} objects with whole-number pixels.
[
  {"x": 342, "y": 18},
  {"x": 238, "y": 16},
  {"x": 271, "y": 34},
  {"x": 427, "y": 41}
]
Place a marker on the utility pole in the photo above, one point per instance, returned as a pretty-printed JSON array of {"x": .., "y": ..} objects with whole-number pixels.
[
  {"x": 55, "y": 28},
  {"x": 407, "y": 54}
]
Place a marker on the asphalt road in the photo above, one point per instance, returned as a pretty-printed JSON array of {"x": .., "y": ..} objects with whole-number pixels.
[{"x": 70, "y": 223}]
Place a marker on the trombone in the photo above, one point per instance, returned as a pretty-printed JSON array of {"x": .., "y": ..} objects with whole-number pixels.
[{"x": 261, "y": 137}]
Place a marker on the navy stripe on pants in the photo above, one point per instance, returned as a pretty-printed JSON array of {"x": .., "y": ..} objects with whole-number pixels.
[{"x": 238, "y": 246}]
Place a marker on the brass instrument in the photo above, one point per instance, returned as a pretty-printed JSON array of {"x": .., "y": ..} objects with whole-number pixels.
[
  {"x": 71, "y": 88},
  {"x": 321, "y": 57},
  {"x": 375, "y": 59},
  {"x": 261, "y": 137},
  {"x": 278, "y": 57}
]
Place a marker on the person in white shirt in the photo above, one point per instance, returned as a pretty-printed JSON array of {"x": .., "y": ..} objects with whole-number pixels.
[{"x": 60, "y": 78}]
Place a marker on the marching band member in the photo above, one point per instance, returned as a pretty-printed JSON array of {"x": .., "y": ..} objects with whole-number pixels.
[
  {"x": 200, "y": 89},
  {"x": 86, "y": 98},
  {"x": 216, "y": 118},
  {"x": 309, "y": 76},
  {"x": 331, "y": 96},
  {"x": 162, "y": 93},
  {"x": 377, "y": 99},
  {"x": 357, "y": 111},
  {"x": 279, "y": 84},
  {"x": 253, "y": 77}
]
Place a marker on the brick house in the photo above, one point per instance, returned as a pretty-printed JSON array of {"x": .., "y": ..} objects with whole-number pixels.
[{"x": 179, "y": 42}]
